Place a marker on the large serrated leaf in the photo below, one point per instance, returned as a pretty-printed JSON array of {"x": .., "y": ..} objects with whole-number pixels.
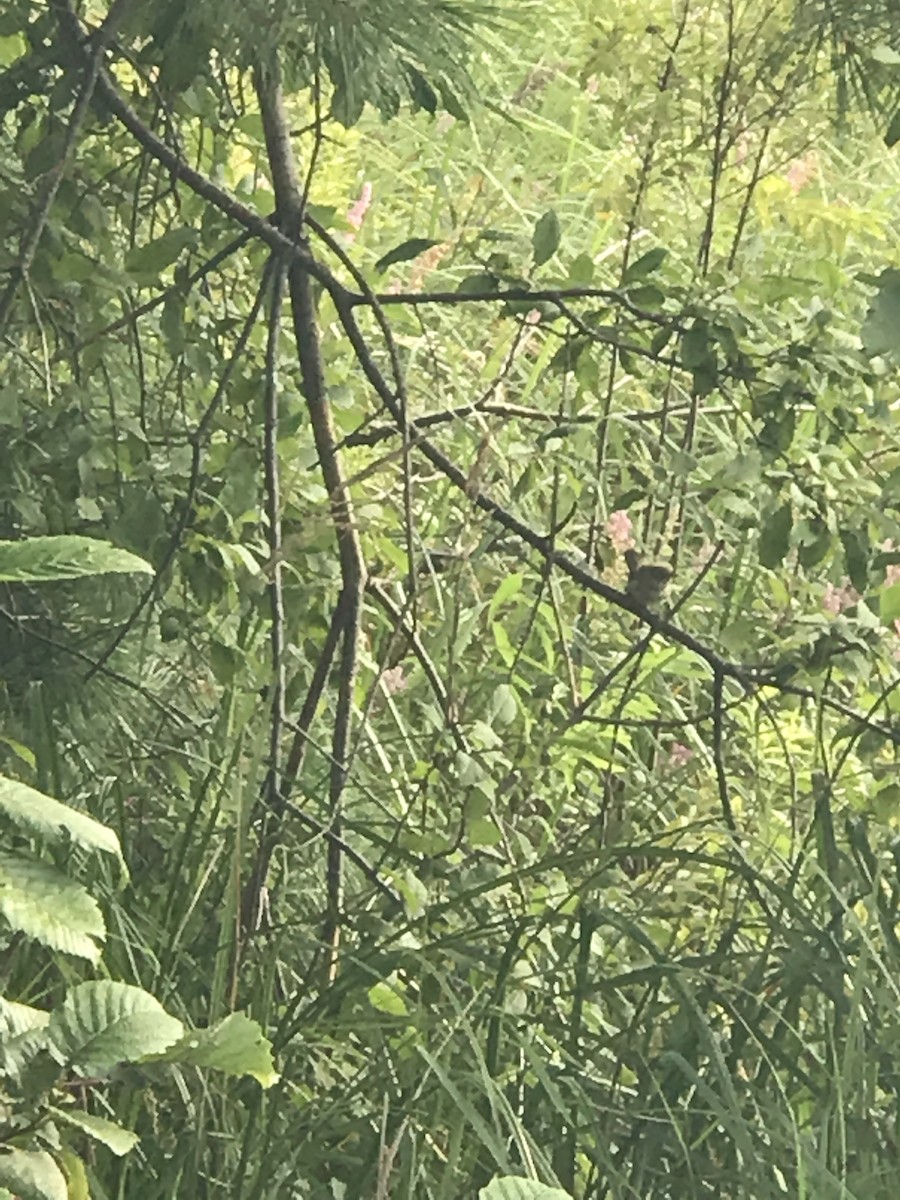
[
  {"x": 102, "y": 1023},
  {"x": 40, "y": 559},
  {"x": 52, "y": 820},
  {"x": 39, "y": 901},
  {"x": 16, "y": 1018},
  {"x": 237, "y": 1045},
  {"x": 21, "y": 1036},
  {"x": 32, "y": 1175}
]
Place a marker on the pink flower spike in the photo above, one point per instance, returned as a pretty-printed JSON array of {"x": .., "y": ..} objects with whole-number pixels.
[
  {"x": 394, "y": 680},
  {"x": 836, "y": 599},
  {"x": 357, "y": 211},
  {"x": 679, "y": 755},
  {"x": 620, "y": 530}
]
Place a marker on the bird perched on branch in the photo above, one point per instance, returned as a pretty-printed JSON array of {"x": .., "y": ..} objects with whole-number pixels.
[{"x": 646, "y": 581}]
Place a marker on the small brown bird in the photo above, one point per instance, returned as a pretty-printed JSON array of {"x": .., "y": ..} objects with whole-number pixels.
[{"x": 646, "y": 581}]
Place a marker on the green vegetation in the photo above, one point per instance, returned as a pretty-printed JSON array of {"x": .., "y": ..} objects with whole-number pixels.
[{"x": 449, "y": 600}]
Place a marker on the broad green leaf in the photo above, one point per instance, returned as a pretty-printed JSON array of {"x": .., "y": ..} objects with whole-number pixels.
[
  {"x": 236, "y": 1046},
  {"x": 504, "y": 704},
  {"x": 509, "y": 586},
  {"x": 503, "y": 643},
  {"x": 101, "y": 1023},
  {"x": 384, "y": 997},
  {"x": 39, "y": 901},
  {"x": 16, "y": 1018},
  {"x": 48, "y": 818},
  {"x": 21, "y": 1037},
  {"x": 581, "y": 270},
  {"x": 76, "y": 1175},
  {"x": 405, "y": 251},
  {"x": 159, "y": 254},
  {"x": 546, "y": 237},
  {"x": 695, "y": 346},
  {"x": 856, "y": 557},
  {"x": 881, "y": 329},
  {"x": 480, "y": 282},
  {"x": 483, "y": 832},
  {"x": 469, "y": 771},
  {"x": 892, "y": 133},
  {"x": 774, "y": 538},
  {"x": 20, "y": 750},
  {"x": 12, "y": 48},
  {"x": 645, "y": 265},
  {"x": 885, "y": 54},
  {"x": 113, "y": 1136},
  {"x": 509, "y": 1187},
  {"x": 39, "y": 559},
  {"x": 32, "y": 1175},
  {"x": 889, "y": 603}
]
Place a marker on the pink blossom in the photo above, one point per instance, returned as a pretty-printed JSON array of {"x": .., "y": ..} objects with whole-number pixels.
[
  {"x": 358, "y": 210},
  {"x": 801, "y": 172},
  {"x": 425, "y": 264},
  {"x": 742, "y": 148},
  {"x": 836, "y": 599},
  {"x": 620, "y": 530},
  {"x": 679, "y": 755},
  {"x": 394, "y": 680}
]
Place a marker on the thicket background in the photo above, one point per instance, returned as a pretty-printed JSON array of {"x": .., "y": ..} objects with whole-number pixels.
[{"x": 518, "y": 876}]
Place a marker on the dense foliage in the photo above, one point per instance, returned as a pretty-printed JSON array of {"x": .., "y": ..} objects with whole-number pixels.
[{"x": 404, "y": 341}]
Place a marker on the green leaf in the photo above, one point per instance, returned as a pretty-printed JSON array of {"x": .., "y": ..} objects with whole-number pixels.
[
  {"x": 384, "y": 997},
  {"x": 48, "y": 818},
  {"x": 774, "y": 538},
  {"x": 509, "y": 1187},
  {"x": 645, "y": 265},
  {"x": 76, "y": 1175},
  {"x": 159, "y": 254},
  {"x": 39, "y": 559},
  {"x": 892, "y": 133},
  {"x": 889, "y": 603},
  {"x": 504, "y": 704},
  {"x": 885, "y": 54},
  {"x": 881, "y": 328},
  {"x": 21, "y": 751},
  {"x": 39, "y": 901},
  {"x": 32, "y": 1175},
  {"x": 581, "y": 270},
  {"x": 509, "y": 586},
  {"x": 483, "y": 832},
  {"x": 113, "y": 1136},
  {"x": 483, "y": 281},
  {"x": 101, "y": 1023},
  {"x": 16, "y": 1018},
  {"x": 695, "y": 347},
  {"x": 546, "y": 237},
  {"x": 405, "y": 251},
  {"x": 236, "y": 1045},
  {"x": 21, "y": 1037},
  {"x": 856, "y": 557}
]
